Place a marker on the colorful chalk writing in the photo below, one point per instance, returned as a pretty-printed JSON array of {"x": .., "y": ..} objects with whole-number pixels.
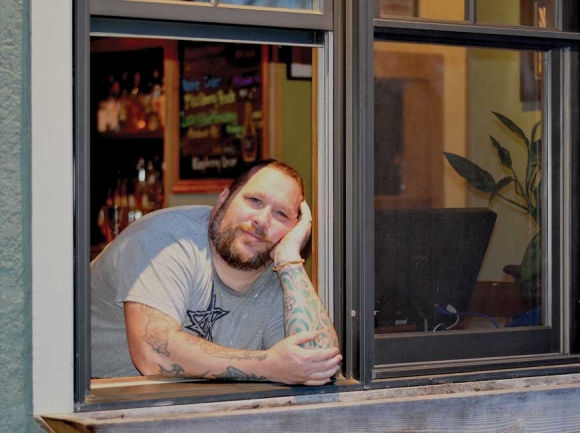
[{"x": 221, "y": 115}]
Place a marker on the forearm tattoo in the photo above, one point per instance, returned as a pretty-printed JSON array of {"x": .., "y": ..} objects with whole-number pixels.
[
  {"x": 233, "y": 373},
  {"x": 156, "y": 330},
  {"x": 303, "y": 310},
  {"x": 176, "y": 371}
]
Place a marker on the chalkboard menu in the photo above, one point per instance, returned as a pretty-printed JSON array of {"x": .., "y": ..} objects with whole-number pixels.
[{"x": 221, "y": 109}]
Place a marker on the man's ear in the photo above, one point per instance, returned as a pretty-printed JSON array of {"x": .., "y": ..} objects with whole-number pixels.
[{"x": 222, "y": 198}]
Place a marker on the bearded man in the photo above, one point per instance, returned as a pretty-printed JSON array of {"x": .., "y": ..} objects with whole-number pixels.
[{"x": 215, "y": 293}]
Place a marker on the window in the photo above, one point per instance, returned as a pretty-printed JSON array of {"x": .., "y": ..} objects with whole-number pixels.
[
  {"x": 453, "y": 57},
  {"x": 155, "y": 101},
  {"x": 467, "y": 133}
]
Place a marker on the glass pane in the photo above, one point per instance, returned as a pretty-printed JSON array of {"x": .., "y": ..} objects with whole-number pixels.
[
  {"x": 536, "y": 13},
  {"x": 287, "y": 4},
  {"x": 172, "y": 124},
  {"x": 457, "y": 189},
  {"x": 453, "y": 10}
]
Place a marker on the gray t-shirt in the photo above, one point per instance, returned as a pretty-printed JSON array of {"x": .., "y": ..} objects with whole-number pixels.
[{"x": 164, "y": 261}]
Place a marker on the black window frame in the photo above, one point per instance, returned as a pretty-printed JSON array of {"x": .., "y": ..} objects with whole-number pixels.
[{"x": 561, "y": 109}]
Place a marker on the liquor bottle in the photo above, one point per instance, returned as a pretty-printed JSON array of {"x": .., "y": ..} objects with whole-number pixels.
[
  {"x": 153, "y": 188},
  {"x": 141, "y": 202},
  {"x": 112, "y": 105},
  {"x": 154, "y": 102},
  {"x": 137, "y": 103},
  {"x": 125, "y": 103},
  {"x": 250, "y": 138}
]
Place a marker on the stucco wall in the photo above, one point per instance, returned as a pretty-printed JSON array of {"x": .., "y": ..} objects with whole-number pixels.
[{"x": 15, "y": 281}]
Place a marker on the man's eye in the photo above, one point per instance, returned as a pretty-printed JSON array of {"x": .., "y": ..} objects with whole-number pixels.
[
  {"x": 254, "y": 200},
  {"x": 281, "y": 215}
]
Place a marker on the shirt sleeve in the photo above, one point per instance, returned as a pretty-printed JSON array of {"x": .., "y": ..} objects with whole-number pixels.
[{"x": 155, "y": 269}]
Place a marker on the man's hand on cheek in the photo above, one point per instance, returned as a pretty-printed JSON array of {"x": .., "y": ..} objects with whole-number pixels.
[{"x": 292, "y": 243}]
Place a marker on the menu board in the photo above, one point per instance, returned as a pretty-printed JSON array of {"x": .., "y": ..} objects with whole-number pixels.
[{"x": 221, "y": 109}]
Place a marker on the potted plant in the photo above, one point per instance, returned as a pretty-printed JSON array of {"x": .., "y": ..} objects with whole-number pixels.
[{"x": 527, "y": 187}]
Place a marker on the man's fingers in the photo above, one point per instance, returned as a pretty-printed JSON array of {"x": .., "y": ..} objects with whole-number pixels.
[
  {"x": 319, "y": 375},
  {"x": 316, "y": 382},
  {"x": 305, "y": 214}
]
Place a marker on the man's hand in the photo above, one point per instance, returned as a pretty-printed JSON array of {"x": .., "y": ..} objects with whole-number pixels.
[
  {"x": 291, "y": 364},
  {"x": 292, "y": 243}
]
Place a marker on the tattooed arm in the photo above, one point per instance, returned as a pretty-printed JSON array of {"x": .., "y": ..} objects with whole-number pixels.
[
  {"x": 159, "y": 347},
  {"x": 303, "y": 310}
]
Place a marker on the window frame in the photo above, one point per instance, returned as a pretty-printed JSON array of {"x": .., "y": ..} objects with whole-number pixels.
[
  {"x": 89, "y": 25},
  {"x": 560, "y": 109},
  {"x": 177, "y": 10}
]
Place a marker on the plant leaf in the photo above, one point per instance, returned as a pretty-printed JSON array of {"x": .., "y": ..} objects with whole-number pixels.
[
  {"x": 537, "y": 208},
  {"x": 535, "y": 130},
  {"x": 499, "y": 186},
  {"x": 536, "y": 151},
  {"x": 502, "y": 152},
  {"x": 472, "y": 173},
  {"x": 512, "y": 127},
  {"x": 531, "y": 265}
]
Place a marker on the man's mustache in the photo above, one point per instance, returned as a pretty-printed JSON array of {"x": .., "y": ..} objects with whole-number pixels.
[{"x": 255, "y": 231}]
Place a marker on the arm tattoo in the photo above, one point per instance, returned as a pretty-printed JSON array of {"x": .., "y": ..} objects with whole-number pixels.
[
  {"x": 225, "y": 352},
  {"x": 233, "y": 373},
  {"x": 176, "y": 371},
  {"x": 156, "y": 330},
  {"x": 303, "y": 310}
]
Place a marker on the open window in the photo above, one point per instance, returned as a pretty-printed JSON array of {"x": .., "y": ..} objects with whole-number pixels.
[{"x": 172, "y": 112}]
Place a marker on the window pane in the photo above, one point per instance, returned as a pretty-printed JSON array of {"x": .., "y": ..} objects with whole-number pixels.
[
  {"x": 457, "y": 189},
  {"x": 536, "y": 13},
  {"x": 288, "y": 4},
  {"x": 435, "y": 10}
]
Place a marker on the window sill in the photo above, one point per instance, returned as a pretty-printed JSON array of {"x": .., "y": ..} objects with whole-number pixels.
[{"x": 535, "y": 403}]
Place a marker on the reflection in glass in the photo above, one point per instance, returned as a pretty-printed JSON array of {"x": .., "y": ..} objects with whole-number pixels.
[
  {"x": 536, "y": 13},
  {"x": 453, "y": 10},
  {"x": 288, "y": 4},
  {"x": 457, "y": 189}
]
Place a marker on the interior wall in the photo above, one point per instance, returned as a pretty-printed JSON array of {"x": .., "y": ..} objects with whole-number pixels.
[{"x": 454, "y": 103}]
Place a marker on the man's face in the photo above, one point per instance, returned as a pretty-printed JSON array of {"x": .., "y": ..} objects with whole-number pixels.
[{"x": 248, "y": 225}]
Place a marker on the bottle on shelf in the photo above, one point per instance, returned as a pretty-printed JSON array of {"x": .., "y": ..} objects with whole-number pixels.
[
  {"x": 138, "y": 110},
  {"x": 141, "y": 203},
  {"x": 125, "y": 102},
  {"x": 153, "y": 188},
  {"x": 112, "y": 105},
  {"x": 249, "y": 141}
]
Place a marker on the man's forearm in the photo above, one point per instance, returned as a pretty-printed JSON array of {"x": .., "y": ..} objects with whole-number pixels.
[
  {"x": 211, "y": 361},
  {"x": 172, "y": 352},
  {"x": 303, "y": 310}
]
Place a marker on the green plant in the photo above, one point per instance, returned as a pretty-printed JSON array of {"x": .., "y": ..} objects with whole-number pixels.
[{"x": 527, "y": 187}]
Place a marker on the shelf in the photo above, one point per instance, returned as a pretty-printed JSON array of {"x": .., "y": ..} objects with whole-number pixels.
[{"x": 140, "y": 135}]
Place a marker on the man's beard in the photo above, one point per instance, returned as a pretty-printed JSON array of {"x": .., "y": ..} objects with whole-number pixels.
[{"x": 224, "y": 243}]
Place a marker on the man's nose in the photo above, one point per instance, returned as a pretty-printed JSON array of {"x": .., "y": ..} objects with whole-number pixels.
[{"x": 261, "y": 219}]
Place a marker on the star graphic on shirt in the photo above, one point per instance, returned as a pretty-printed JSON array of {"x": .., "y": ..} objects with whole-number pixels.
[{"x": 202, "y": 321}]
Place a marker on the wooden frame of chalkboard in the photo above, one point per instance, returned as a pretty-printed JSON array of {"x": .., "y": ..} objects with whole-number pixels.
[{"x": 223, "y": 114}]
